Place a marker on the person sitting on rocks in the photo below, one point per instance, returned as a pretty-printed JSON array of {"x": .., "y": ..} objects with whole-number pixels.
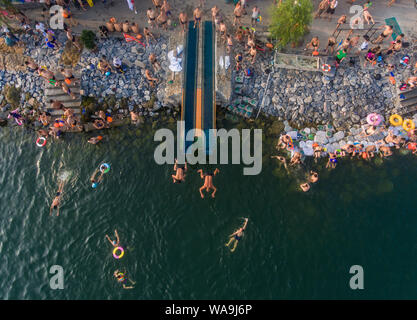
[
  {"x": 284, "y": 141},
  {"x": 68, "y": 112},
  {"x": 118, "y": 65},
  {"x": 154, "y": 62},
  {"x": 151, "y": 14},
  {"x": 31, "y": 66},
  {"x": 56, "y": 104},
  {"x": 369, "y": 131},
  {"x": 331, "y": 44},
  {"x": 66, "y": 89},
  {"x": 55, "y": 132},
  {"x": 295, "y": 159},
  {"x": 411, "y": 146},
  {"x": 45, "y": 118},
  {"x": 317, "y": 150},
  {"x": 385, "y": 151},
  {"x": 314, "y": 44},
  {"x": 103, "y": 65},
  {"x": 370, "y": 152},
  {"x": 152, "y": 80}
]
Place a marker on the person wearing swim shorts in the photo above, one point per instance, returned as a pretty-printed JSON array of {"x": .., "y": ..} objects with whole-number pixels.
[
  {"x": 214, "y": 13},
  {"x": 237, "y": 236},
  {"x": 197, "y": 16},
  {"x": 388, "y": 30},
  {"x": 122, "y": 278},
  {"x": 180, "y": 171},
  {"x": 31, "y": 66},
  {"x": 151, "y": 14},
  {"x": 208, "y": 182},
  {"x": 229, "y": 43},
  {"x": 331, "y": 9},
  {"x": 331, "y": 43},
  {"x": 93, "y": 180},
  {"x": 157, "y": 4},
  {"x": 114, "y": 243},
  {"x": 57, "y": 200},
  {"x": 238, "y": 14},
  {"x": 323, "y": 5},
  {"x": 331, "y": 163},
  {"x": 255, "y": 15},
  {"x": 166, "y": 7},
  {"x": 183, "y": 20},
  {"x": 162, "y": 20}
]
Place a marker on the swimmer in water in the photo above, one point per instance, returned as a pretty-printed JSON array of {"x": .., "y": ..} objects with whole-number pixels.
[
  {"x": 314, "y": 177},
  {"x": 94, "y": 181},
  {"x": 122, "y": 278},
  {"x": 332, "y": 161},
  {"x": 114, "y": 243},
  {"x": 281, "y": 159},
  {"x": 305, "y": 186},
  {"x": 180, "y": 171},
  {"x": 95, "y": 140},
  {"x": 208, "y": 182},
  {"x": 57, "y": 200},
  {"x": 236, "y": 236}
]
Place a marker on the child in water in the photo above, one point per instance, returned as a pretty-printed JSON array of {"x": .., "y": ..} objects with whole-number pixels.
[{"x": 122, "y": 278}]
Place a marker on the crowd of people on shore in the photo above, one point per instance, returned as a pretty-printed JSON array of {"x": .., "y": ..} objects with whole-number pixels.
[{"x": 393, "y": 139}]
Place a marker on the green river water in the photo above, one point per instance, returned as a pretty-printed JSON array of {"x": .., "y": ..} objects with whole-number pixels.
[{"x": 296, "y": 246}]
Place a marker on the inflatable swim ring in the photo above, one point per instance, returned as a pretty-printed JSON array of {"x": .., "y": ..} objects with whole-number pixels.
[
  {"x": 408, "y": 125},
  {"x": 396, "y": 120},
  {"x": 118, "y": 256},
  {"x": 105, "y": 167},
  {"x": 41, "y": 142},
  {"x": 326, "y": 67}
]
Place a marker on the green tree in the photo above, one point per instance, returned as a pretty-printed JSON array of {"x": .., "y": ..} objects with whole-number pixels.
[
  {"x": 88, "y": 38},
  {"x": 6, "y": 7},
  {"x": 290, "y": 21}
]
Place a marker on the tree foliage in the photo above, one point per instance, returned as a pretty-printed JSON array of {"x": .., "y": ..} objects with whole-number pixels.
[
  {"x": 290, "y": 21},
  {"x": 88, "y": 38}
]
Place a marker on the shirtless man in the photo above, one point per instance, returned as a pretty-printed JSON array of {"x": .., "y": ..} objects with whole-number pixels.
[
  {"x": 95, "y": 140},
  {"x": 72, "y": 38},
  {"x": 31, "y": 66},
  {"x": 214, "y": 13},
  {"x": 388, "y": 30},
  {"x": 314, "y": 177},
  {"x": 368, "y": 18},
  {"x": 223, "y": 29},
  {"x": 152, "y": 80},
  {"x": 162, "y": 20},
  {"x": 46, "y": 74},
  {"x": 166, "y": 7},
  {"x": 208, "y": 182},
  {"x": 57, "y": 200},
  {"x": 314, "y": 44},
  {"x": 148, "y": 35},
  {"x": 237, "y": 235},
  {"x": 252, "y": 53},
  {"x": 229, "y": 43},
  {"x": 183, "y": 20},
  {"x": 342, "y": 20},
  {"x": 66, "y": 89},
  {"x": 151, "y": 14},
  {"x": 305, "y": 186},
  {"x": 56, "y": 104},
  {"x": 134, "y": 117},
  {"x": 323, "y": 5},
  {"x": 197, "y": 16},
  {"x": 155, "y": 64},
  {"x": 296, "y": 158},
  {"x": 114, "y": 243},
  {"x": 385, "y": 151},
  {"x": 331, "y": 43},
  {"x": 180, "y": 171},
  {"x": 93, "y": 180},
  {"x": 238, "y": 11},
  {"x": 395, "y": 46},
  {"x": 158, "y": 5},
  {"x": 281, "y": 159}
]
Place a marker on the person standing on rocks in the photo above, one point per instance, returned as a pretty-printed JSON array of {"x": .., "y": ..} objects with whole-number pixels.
[
  {"x": 388, "y": 30},
  {"x": 252, "y": 53},
  {"x": 331, "y": 9},
  {"x": 197, "y": 16},
  {"x": 255, "y": 15},
  {"x": 154, "y": 62},
  {"x": 331, "y": 43},
  {"x": 229, "y": 43},
  {"x": 162, "y": 20},
  {"x": 342, "y": 20},
  {"x": 148, "y": 35},
  {"x": 214, "y": 13},
  {"x": 238, "y": 14},
  {"x": 183, "y": 20},
  {"x": 314, "y": 44},
  {"x": 151, "y": 14}
]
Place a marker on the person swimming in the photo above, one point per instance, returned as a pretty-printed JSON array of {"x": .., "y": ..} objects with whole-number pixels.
[
  {"x": 122, "y": 278},
  {"x": 114, "y": 243},
  {"x": 208, "y": 182},
  {"x": 305, "y": 186},
  {"x": 237, "y": 236},
  {"x": 180, "y": 171},
  {"x": 57, "y": 200},
  {"x": 314, "y": 177},
  {"x": 94, "y": 181}
]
